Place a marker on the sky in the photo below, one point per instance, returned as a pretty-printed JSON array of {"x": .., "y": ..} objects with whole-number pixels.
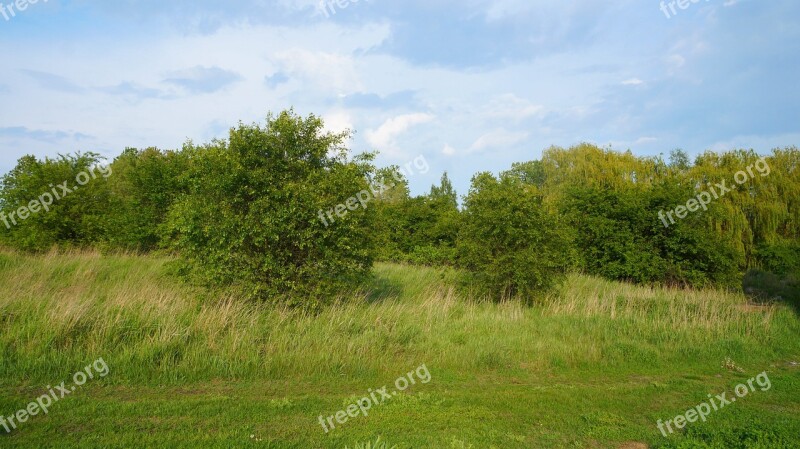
[{"x": 470, "y": 85}]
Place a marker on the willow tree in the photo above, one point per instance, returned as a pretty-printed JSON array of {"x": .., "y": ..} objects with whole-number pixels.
[{"x": 758, "y": 197}]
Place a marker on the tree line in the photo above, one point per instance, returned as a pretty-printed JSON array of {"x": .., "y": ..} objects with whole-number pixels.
[{"x": 244, "y": 212}]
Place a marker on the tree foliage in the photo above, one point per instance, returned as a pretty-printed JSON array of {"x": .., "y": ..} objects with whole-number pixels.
[
  {"x": 146, "y": 183},
  {"x": 420, "y": 230},
  {"x": 251, "y": 214},
  {"x": 269, "y": 210},
  {"x": 510, "y": 243},
  {"x": 76, "y": 216}
]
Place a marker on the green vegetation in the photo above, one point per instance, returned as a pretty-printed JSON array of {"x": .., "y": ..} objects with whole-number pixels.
[
  {"x": 509, "y": 242},
  {"x": 596, "y": 364},
  {"x": 233, "y": 290},
  {"x": 256, "y": 212},
  {"x": 249, "y": 214},
  {"x": 378, "y": 444}
]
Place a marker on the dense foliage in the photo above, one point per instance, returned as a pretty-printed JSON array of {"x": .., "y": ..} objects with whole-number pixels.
[
  {"x": 619, "y": 237},
  {"x": 68, "y": 214},
  {"x": 421, "y": 230},
  {"x": 509, "y": 242},
  {"x": 250, "y": 214},
  {"x": 271, "y": 209}
]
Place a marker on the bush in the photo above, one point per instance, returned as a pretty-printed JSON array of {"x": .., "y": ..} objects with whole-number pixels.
[
  {"x": 764, "y": 286},
  {"x": 432, "y": 256},
  {"x": 144, "y": 186},
  {"x": 252, "y": 214},
  {"x": 421, "y": 230},
  {"x": 509, "y": 243},
  {"x": 620, "y": 237},
  {"x": 74, "y": 217},
  {"x": 782, "y": 259}
]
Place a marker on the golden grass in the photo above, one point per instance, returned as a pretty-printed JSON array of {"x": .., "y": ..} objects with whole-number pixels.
[{"x": 662, "y": 307}]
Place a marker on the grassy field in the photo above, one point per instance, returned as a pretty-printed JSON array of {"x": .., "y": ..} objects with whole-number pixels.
[{"x": 594, "y": 366}]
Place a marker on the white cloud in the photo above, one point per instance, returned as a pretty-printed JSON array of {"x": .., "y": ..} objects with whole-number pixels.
[
  {"x": 338, "y": 121},
  {"x": 385, "y": 137},
  {"x": 326, "y": 71},
  {"x": 632, "y": 82},
  {"x": 511, "y": 107},
  {"x": 676, "y": 61},
  {"x": 448, "y": 150},
  {"x": 498, "y": 139}
]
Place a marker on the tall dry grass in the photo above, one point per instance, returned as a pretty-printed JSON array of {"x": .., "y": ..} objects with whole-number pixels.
[{"x": 63, "y": 309}]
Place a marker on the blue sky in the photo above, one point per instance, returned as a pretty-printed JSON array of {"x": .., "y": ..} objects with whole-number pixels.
[{"x": 472, "y": 85}]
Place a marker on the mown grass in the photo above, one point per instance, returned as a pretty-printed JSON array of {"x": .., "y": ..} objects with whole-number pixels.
[{"x": 594, "y": 365}]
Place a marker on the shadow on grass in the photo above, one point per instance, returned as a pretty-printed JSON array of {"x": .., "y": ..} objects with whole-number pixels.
[
  {"x": 762, "y": 287},
  {"x": 381, "y": 288}
]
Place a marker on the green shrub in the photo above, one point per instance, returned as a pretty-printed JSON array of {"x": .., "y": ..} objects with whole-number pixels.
[
  {"x": 74, "y": 217},
  {"x": 431, "y": 255},
  {"x": 509, "y": 243},
  {"x": 421, "y": 230},
  {"x": 763, "y": 286},
  {"x": 252, "y": 213},
  {"x": 782, "y": 259},
  {"x": 145, "y": 185},
  {"x": 620, "y": 237}
]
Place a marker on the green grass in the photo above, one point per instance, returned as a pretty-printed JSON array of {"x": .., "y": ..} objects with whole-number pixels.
[{"x": 595, "y": 365}]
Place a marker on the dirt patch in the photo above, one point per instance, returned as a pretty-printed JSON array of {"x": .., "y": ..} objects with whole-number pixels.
[{"x": 633, "y": 445}]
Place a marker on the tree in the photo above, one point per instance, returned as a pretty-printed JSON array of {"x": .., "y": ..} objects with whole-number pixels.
[
  {"x": 419, "y": 230},
  {"x": 51, "y": 202},
  {"x": 509, "y": 243},
  {"x": 679, "y": 160},
  {"x": 445, "y": 193},
  {"x": 531, "y": 172},
  {"x": 266, "y": 211},
  {"x": 144, "y": 186}
]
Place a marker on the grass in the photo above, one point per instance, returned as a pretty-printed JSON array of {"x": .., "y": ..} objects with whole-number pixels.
[{"x": 595, "y": 365}]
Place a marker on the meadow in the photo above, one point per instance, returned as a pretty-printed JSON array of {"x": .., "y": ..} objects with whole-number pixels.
[
  {"x": 594, "y": 364},
  {"x": 358, "y": 224}
]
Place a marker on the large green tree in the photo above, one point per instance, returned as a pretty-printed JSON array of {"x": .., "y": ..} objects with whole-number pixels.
[{"x": 256, "y": 211}]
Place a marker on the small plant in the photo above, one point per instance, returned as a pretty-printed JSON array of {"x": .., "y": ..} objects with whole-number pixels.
[
  {"x": 281, "y": 404},
  {"x": 378, "y": 444},
  {"x": 730, "y": 365}
]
